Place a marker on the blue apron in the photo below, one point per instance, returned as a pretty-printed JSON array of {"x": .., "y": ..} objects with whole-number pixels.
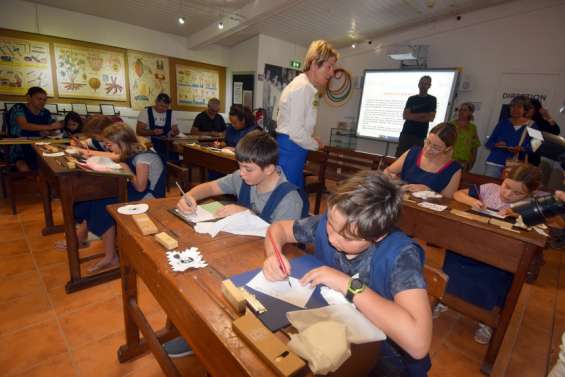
[
  {"x": 292, "y": 158},
  {"x": 158, "y": 191},
  {"x": 159, "y": 144},
  {"x": 375, "y": 272}
]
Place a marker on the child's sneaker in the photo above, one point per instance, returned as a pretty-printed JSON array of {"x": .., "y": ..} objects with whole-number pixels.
[
  {"x": 438, "y": 309},
  {"x": 483, "y": 334}
]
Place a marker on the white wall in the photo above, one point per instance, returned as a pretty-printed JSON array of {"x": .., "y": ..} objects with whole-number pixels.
[
  {"x": 518, "y": 37},
  {"x": 21, "y": 15},
  {"x": 275, "y": 52}
]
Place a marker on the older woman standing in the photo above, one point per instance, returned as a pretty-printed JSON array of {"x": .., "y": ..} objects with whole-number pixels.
[
  {"x": 298, "y": 110},
  {"x": 465, "y": 147}
]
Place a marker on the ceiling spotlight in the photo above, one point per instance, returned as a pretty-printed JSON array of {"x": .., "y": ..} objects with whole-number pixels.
[
  {"x": 220, "y": 25},
  {"x": 353, "y": 45},
  {"x": 182, "y": 20}
]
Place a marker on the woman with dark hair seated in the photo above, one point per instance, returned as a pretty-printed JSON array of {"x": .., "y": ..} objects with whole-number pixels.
[{"x": 242, "y": 122}]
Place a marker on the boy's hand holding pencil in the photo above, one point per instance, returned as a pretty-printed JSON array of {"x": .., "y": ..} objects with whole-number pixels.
[
  {"x": 276, "y": 267},
  {"x": 186, "y": 203}
]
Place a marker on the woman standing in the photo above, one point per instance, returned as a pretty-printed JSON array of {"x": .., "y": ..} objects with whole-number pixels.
[
  {"x": 298, "y": 110},
  {"x": 465, "y": 147}
]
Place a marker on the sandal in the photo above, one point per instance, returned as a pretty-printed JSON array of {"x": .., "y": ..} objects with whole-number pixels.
[
  {"x": 102, "y": 265},
  {"x": 61, "y": 245}
]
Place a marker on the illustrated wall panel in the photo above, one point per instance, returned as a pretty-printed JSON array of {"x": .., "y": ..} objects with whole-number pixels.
[{"x": 149, "y": 75}]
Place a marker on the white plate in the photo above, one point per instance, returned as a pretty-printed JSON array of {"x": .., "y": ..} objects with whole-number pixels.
[{"x": 133, "y": 209}]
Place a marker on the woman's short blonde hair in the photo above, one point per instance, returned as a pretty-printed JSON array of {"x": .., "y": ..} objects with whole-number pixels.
[
  {"x": 320, "y": 51},
  {"x": 122, "y": 135}
]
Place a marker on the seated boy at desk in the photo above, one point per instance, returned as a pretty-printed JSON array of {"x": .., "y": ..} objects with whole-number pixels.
[
  {"x": 259, "y": 184},
  {"x": 376, "y": 266}
]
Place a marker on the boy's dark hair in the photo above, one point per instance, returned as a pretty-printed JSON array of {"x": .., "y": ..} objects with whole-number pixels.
[
  {"x": 257, "y": 147},
  {"x": 446, "y": 132},
  {"x": 371, "y": 202},
  {"x": 35, "y": 90},
  {"x": 163, "y": 97},
  {"x": 73, "y": 117},
  {"x": 526, "y": 174}
]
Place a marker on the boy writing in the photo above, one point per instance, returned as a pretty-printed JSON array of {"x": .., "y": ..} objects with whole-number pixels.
[
  {"x": 258, "y": 184},
  {"x": 376, "y": 266}
]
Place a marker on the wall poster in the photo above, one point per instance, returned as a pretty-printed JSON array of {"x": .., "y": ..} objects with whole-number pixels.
[
  {"x": 148, "y": 77},
  {"x": 195, "y": 86},
  {"x": 93, "y": 73},
  {"x": 24, "y": 63}
]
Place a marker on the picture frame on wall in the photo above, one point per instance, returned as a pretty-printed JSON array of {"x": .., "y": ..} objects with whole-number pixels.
[{"x": 195, "y": 83}]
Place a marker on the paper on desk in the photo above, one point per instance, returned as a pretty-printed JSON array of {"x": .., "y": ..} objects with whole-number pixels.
[
  {"x": 243, "y": 223},
  {"x": 297, "y": 295},
  {"x": 200, "y": 215},
  {"x": 180, "y": 135},
  {"x": 54, "y": 154},
  {"x": 433, "y": 206},
  {"x": 359, "y": 329},
  {"x": 427, "y": 194}
]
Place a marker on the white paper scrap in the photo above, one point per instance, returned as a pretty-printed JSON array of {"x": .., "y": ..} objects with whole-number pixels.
[
  {"x": 242, "y": 223},
  {"x": 297, "y": 295},
  {"x": 189, "y": 258}
]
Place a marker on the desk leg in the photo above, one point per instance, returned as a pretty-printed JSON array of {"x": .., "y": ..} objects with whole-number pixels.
[
  {"x": 506, "y": 314},
  {"x": 135, "y": 322},
  {"x": 45, "y": 191}
]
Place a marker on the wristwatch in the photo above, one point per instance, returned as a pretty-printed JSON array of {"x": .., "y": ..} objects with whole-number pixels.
[{"x": 354, "y": 287}]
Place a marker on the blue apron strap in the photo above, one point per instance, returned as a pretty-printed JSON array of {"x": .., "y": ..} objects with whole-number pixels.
[{"x": 244, "y": 197}]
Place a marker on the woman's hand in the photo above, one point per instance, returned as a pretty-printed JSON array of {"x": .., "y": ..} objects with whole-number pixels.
[
  {"x": 272, "y": 269},
  {"x": 187, "y": 204},
  {"x": 158, "y": 131},
  {"x": 327, "y": 276},
  {"x": 229, "y": 210},
  {"x": 416, "y": 188}
]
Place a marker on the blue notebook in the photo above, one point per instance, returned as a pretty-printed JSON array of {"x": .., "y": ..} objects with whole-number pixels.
[{"x": 275, "y": 316}]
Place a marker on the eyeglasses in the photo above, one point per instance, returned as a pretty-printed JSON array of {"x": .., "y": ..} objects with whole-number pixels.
[{"x": 433, "y": 147}]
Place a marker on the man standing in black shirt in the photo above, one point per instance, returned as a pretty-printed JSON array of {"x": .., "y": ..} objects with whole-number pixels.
[
  {"x": 209, "y": 122},
  {"x": 418, "y": 112}
]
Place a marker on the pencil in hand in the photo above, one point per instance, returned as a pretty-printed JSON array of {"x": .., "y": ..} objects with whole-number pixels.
[
  {"x": 279, "y": 257},
  {"x": 184, "y": 195}
]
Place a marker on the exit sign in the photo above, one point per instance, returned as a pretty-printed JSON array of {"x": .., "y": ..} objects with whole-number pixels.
[{"x": 295, "y": 64}]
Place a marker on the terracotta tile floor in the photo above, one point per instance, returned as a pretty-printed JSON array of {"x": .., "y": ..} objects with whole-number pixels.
[{"x": 45, "y": 332}]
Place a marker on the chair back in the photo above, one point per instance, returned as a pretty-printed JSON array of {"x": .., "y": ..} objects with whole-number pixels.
[
  {"x": 315, "y": 176},
  {"x": 343, "y": 163},
  {"x": 436, "y": 281}
]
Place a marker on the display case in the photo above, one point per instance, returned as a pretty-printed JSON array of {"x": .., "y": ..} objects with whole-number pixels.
[{"x": 343, "y": 138}]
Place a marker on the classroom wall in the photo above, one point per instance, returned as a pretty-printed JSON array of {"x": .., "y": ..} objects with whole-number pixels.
[
  {"x": 522, "y": 37},
  {"x": 276, "y": 52},
  {"x": 34, "y": 18}
]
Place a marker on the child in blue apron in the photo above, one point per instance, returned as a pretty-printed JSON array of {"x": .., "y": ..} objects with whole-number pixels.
[
  {"x": 93, "y": 144},
  {"x": 148, "y": 182},
  {"x": 374, "y": 265},
  {"x": 159, "y": 122},
  {"x": 31, "y": 119},
  {"x": 72, "y": 124},
  {"x": 430, "y": 167},
  {"x": 298, "y": 110},
  {"x": 476, "y": 282}
]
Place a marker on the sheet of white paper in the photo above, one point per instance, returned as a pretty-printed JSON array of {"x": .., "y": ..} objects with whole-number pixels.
[
  {"x": 297, "y": 295},
  {"x": 536, "y": 134},
  {"x": 433, "y": 206},
  {"x": 359, "y": 329},
  {"x": 243, "y": 223},
  {"x": 54, "y": 154}
]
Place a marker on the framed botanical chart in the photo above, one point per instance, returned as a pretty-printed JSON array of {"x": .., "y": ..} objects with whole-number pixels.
[
  {"x": 149, "y": 75},
  {"x": 24, "y": 63},
  {"x": 90, "y": 72},
  {"x": 196, "y": 83}
]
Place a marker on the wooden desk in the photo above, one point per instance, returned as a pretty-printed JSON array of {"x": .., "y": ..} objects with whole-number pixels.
[
  {"x": 30, "y": 140},
  {"x": 75, "y": 185},
  {"x": 509, "y": 251},
  {"x": 194, "y": 155},
  {"x": 192, "y": 299}
]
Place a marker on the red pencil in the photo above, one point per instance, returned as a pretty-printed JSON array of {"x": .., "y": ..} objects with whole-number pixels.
[{"x": 279, "y": 257}]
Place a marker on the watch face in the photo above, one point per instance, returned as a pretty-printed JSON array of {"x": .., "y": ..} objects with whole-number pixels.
[{"x": 356, "y": 284}]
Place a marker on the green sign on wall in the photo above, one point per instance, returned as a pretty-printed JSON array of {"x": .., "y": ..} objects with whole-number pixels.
[{"x": 295, "y": 64}]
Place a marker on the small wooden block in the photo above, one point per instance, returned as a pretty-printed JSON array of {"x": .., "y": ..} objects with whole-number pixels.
[
  {"x": 233, "y": 295},
  {"x": 144, "y": 223},
  {"x": 71, "y": 165},
  {"x": 270, "y": 348},
  {"x": 167, "y": 241}
]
